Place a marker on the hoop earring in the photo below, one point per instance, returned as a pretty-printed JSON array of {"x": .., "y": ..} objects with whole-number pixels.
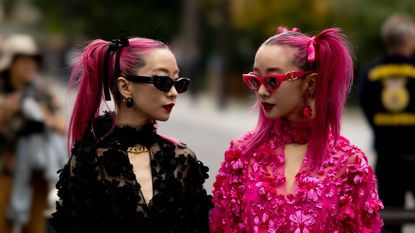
[{"x": 128, "y": 102}]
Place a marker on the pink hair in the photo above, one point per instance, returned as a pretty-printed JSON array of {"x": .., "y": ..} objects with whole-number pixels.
[
  {"x": 334, "y": 66},
  {"x": 88, "y": 73}
]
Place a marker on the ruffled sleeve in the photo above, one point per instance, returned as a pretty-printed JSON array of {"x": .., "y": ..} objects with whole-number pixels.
[
  {"x": 226, "y": 193},
  {"x": 359, "y": 202}
]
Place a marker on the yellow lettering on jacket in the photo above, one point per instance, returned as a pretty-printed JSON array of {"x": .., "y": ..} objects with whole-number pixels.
[
  {"x": 387, "y": 71},
  {"x": 387, "y": 119}
]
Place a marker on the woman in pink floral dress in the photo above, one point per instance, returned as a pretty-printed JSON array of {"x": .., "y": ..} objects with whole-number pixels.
[{"x": 294, "y": 172}]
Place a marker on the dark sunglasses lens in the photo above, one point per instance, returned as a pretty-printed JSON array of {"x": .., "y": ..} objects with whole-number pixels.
[
  {"x": 163, "y": 83},
  {"x": 182, "y": 85},
  {"x": 252, "y": 83},
  {"x": 271, "y": 83}
]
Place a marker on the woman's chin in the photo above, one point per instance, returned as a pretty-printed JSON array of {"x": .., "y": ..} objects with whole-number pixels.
[
  {"x": 163, "y": 118},
  {"x": 271, "y": 115}
]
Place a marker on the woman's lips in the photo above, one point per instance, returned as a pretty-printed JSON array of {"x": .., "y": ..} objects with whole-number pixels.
[
  {"x": 267, "y": 106},
  {"x": 168, "y": 107}
]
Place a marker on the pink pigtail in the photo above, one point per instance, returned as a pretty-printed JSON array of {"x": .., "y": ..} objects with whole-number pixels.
[
  {"x": 334, "y": 66},
  {"x": 87, "y": 72}
]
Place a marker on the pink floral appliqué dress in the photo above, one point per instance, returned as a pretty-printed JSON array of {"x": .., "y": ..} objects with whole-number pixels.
[{"x": 250, "y": 191}]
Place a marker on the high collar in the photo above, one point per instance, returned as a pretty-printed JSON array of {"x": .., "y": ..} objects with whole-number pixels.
[
  {"x": 130, "y": 136},
  {"x": 126, "y": 135},
  {"x": 287, "y": 132}
]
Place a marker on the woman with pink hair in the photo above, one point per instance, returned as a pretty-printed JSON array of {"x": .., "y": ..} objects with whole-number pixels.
[
  {"x": 294, "y": 172},
  {"x": 122, "y": 175}
]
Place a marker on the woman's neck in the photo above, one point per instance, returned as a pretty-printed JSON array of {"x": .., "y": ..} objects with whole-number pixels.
[
  {"x": 131, "y": 118},
  {"x": 288, "y": 131}
]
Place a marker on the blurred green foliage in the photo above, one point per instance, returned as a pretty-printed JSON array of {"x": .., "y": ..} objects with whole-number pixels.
[
  {"x": 246, "y": 24},
  {"x": 359, "y": 19},
  {"x": 106, "y": 18}
]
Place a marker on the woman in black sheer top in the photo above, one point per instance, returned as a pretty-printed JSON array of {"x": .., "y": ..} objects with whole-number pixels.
[{"x": 122, "y": 176}]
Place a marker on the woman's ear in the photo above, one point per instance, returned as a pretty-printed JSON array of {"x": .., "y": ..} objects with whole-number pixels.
[
  {"x": 310, "y": 83},
  {"x": 124, "y": 87}
]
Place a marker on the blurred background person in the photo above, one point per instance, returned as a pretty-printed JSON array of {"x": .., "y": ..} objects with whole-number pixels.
[
  {"x": 32, "y": 146},
  {"x": 387, "y": 95}
]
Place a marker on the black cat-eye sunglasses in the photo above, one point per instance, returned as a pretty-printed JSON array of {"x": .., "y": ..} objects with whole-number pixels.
[{"x": 163, "y": 83}]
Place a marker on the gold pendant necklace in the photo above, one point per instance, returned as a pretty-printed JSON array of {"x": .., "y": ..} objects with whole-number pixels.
[{"x": 137, "y": 149}]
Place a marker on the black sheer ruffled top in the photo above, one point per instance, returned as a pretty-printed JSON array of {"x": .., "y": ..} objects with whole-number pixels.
[{"x": 99, "y": 192}]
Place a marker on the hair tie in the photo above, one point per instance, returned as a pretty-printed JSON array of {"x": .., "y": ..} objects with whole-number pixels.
[
  {"x": 312, "y": 50},
  {"x": 114, "y": 46}
]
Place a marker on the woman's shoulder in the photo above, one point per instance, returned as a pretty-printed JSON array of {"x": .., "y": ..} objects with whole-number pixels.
[
  {"x": 85, "y": 145},
  {"x": 184, "y": 156},
  {"x": 179, "y": 147},
  {"x": 342, "y": 146},
  {"x": 239, "y": 142},
  {"x": 348, "y": 158},
  {"x": 233, "y": 156},
  {"x": 83, "y": 154}
]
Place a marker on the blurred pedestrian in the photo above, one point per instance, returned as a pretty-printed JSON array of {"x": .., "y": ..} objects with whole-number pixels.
[
  {"x": 294, "y": 172},
  {"x": 387, "y": 96},
  {"x": 32, "y": 145},
  {"x": 122, "y": 175}
]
